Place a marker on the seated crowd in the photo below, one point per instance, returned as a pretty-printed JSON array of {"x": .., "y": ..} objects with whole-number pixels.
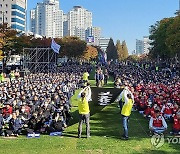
[
  {"x": 156, "y": 91},
  {"x": 41, "y": 102}
]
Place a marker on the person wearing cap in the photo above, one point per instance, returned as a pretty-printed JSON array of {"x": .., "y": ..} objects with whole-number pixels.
[
  {"x": 157, "y": 123},
  {"x": 126, "y": 111},
  {"x": 84, "y": 111}
]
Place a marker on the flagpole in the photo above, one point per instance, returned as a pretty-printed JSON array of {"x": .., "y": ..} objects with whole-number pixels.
[{"x": 48, "y": 60}]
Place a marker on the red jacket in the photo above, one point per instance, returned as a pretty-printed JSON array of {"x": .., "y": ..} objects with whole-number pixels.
[
  {"x": 168, "y": 109},
  {"x": 157, "y": 122},
  {"x": 7, "y": 112}
]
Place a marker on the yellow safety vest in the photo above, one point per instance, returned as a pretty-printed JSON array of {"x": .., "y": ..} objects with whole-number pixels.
[
  {"x": 85, "y": 76},
  {"x": 83, "y": 106},
  {"x": 2, "y": 77},
  {"x": 12, "y": 75},
  {"x": 127, "y": 107}
]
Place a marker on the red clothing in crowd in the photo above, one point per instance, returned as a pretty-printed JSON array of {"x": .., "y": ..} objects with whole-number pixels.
[
  {"x": 175, "y": 110},
  {"x": 167, "y": 109},
  {"x": 176, "y": 124},
  {"x": 147, "y": 111},
  {"x": 157, "y": 122},
  {"x": 152, "y": 112},
  {"x": 7, "y": 112}
]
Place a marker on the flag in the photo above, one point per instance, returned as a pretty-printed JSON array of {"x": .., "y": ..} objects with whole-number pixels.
[
  {"x": 55, "y": 46},
  {"x": 105, "y": 57}
]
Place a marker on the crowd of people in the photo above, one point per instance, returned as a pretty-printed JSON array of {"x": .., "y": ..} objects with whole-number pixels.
[
  {"x": 156, "y": 90},
  {"x": 41, "y": 102}
]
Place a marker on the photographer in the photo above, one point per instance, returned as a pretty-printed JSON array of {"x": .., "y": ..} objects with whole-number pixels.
[{"x": 126, "y": 112}]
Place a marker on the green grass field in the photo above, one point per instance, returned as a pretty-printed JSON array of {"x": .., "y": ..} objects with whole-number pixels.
[{"x": 106, "y": 130}]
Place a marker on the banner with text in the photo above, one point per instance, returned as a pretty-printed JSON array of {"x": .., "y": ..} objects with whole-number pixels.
[{"x": 104, "y": 96}]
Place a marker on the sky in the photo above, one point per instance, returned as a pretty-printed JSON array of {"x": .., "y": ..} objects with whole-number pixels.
[{"x": 122, "y": 19}]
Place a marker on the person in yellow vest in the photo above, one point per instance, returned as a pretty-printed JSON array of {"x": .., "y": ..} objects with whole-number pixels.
[
  {"x": 2, "y": 79},
  {"x": 12, "y": 76},
  {"x": 85, "y": 77},
  {"x": 84, "y": 111},
  {"x": 126, "y": 111},
  {"x": 120, "y": 98}
]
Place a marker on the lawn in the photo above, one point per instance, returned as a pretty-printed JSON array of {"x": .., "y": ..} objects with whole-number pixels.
[{"x": 106, "y": 130}]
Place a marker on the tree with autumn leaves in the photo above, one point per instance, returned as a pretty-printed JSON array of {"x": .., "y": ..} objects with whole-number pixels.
[
  {"x": 90, "y": 53},
  {"x": 72, "y": 47},
  {"x": 122, "y": 50},
  {"x": 12, "y": 42},
  {"x": 8, "y": 39}
]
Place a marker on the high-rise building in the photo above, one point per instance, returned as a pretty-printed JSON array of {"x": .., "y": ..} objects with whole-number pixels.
[
  {"x": 139, "y": 47},
  {"x": 48, "y": 19},
  {"x": 94, "y": 33},
  {"x": 143, "y": 46},
  {"x": 13, "y": 12},
  {"x": 147, "y": 45},
  {"x": 79, "y": 19},
  {"x": 33, "y": 21},
  {"x": 65, "y": 25}
]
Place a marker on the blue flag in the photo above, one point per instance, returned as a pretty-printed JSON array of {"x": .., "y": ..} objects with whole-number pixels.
[{"x": 55, "y": 46}]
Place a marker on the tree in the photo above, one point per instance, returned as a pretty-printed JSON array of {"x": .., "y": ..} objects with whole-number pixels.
[
  {"x": 124, "y": 50},
  {"x": 8, "y": 38},
  {"x": 72, "y": 47},
  {"x": 119, "y": 50},
  {"x": 22, "y": 41},
  {"x": 165, "y": 36},
  {"x": 173, "y": 37},
  {"x": 90, "y": 53},
  {"x": 1, "y": 55},
  {"x": 111, "y": 51},
  {"x": 1, "y": 46},
  {"x": 133, "y": 58}
]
